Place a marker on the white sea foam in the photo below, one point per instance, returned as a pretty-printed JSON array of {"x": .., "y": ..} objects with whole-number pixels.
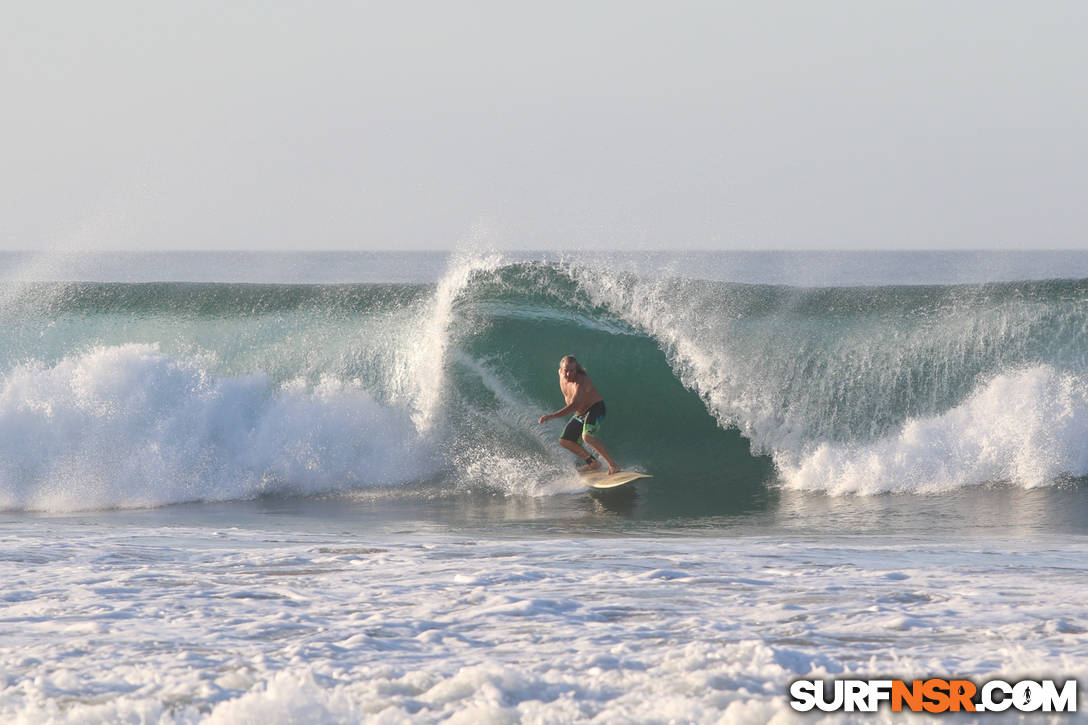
[
  {"x": 1026, "y": 427},
  {"x": 128, "y": 425},
  {"x": 190, "y": 625}
]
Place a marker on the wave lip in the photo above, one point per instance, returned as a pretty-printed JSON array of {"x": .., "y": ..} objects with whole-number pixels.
[
  {"x": 129, "y": 426},
  {"x": 1026, "y": 427}
]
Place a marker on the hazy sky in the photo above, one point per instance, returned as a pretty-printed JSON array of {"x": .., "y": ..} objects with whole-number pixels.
[{"x": 129, "y": 124}]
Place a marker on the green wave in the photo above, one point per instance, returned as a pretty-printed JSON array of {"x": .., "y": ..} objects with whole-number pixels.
[{"x": 704, "y": 381}]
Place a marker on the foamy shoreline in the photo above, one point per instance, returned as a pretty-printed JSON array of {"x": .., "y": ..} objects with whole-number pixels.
[{"x": 187, "y": 625}]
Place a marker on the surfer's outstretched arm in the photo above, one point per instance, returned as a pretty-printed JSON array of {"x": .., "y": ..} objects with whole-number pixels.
[{"x": 557, "y": 414}]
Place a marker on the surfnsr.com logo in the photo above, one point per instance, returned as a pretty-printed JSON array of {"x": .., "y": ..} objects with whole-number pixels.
[{"x": 933, "y": 695}]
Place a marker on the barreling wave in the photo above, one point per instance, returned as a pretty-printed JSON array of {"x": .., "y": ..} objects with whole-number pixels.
[{"x": 147, "y": 394}]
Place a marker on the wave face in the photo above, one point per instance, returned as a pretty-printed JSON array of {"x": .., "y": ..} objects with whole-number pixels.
[{"x": 128, "y": 394}]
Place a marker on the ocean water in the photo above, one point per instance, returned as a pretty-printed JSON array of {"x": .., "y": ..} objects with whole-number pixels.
[{"x": 312, "y": 487}]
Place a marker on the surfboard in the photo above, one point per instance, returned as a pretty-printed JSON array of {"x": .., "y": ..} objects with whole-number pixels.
[{"x": 602, "y": 480}]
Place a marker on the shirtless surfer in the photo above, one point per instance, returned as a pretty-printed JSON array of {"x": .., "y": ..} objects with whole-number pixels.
[{"x": 587, "y": 405}]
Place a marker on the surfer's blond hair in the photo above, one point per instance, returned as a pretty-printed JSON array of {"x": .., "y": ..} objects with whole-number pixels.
[{"x": 577, "y": 365}]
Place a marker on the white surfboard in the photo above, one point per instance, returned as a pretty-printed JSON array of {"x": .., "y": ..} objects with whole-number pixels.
[{"x": 602, "y": 480}]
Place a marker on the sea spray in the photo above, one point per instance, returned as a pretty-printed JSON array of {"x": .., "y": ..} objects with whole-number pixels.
[
  {"x": 128, "y": 425},
  {"x": 422, "y": 362},
  {"x": 503, "y": 447}
]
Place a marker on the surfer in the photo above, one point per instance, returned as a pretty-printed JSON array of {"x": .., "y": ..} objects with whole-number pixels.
[{"x": 587, "y": 405}]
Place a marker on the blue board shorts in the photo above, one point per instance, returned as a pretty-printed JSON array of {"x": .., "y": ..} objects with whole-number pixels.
[{"x": 590, "y": 423}]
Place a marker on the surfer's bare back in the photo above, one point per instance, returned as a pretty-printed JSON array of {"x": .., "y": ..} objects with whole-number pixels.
[{"x": 587, "y": 407}]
